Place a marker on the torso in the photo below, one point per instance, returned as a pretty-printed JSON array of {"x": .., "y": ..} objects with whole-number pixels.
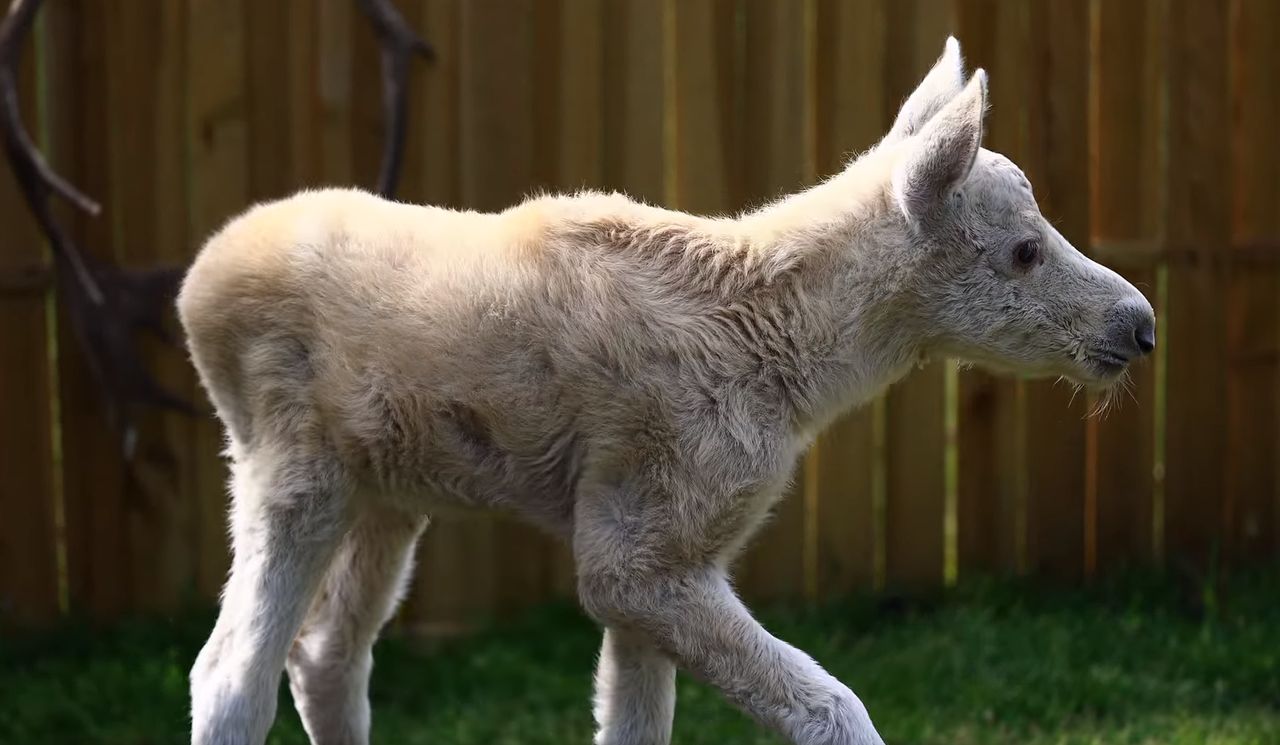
[{"x": 461, "y": 361}]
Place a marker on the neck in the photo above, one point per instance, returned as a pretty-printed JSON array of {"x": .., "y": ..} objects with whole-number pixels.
[
  {"x": 830, "y": 213},
  {"x": 846, "y": 307}
]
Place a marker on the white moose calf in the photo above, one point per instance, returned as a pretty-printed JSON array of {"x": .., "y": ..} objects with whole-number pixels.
[{"x": 637, "y": 381}]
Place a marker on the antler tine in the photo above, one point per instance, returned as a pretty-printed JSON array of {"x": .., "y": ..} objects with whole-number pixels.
[
  {"x": 35, "y": 178},
  {"x": 399, "y": 44},
  {"x": 13, "y": 32},
  {"x": 106, "y": 306}
]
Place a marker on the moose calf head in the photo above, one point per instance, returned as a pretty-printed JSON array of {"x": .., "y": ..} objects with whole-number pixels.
[{"x": 998, "y": 285}]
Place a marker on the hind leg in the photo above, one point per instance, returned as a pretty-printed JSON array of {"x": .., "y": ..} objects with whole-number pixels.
[
  {"x": 635, "y": 698},
  {"x": 288, "y": 515},
  {"x": 330, "y": 661}
]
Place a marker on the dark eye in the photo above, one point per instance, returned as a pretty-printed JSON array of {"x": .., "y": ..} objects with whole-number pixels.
[{"x": 1027, "y": 253}]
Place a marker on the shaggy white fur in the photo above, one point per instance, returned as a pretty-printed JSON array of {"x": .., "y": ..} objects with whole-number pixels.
[{"x": 635, "y": 380}]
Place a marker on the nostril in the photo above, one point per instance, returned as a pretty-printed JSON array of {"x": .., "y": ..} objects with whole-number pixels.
[
  {"x": 1145, "y": 336},
  {"x": 1131, "y": 327}
]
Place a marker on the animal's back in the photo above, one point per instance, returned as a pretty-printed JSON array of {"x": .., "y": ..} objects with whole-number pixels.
[{"x": 427, "y": 345}]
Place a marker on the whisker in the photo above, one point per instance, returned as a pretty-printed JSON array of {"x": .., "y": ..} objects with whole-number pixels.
[
  {"x": 1129, "y": 387},
  {"x": 1075, "y": 391},
  {"x": 1106, "y": 403}
]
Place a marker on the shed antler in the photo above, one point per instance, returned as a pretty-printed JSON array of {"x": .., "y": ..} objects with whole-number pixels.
[
  {"x": 399, "y": 44},
  {"x": 107, "y": 305}
]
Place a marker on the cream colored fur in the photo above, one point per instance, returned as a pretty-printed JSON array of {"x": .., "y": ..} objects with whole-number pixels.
[{"x": 635, "y": 380}]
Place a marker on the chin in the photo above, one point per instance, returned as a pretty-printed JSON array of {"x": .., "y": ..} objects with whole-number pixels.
[
  {"x": 1027, "y": 369},
  {"x": 1096, "y": 382},
  {"x": 1099, "y": 374},
  {"x": 1096, "y": 376}
]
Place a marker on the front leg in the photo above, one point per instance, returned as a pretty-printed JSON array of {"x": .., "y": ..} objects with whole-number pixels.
[
  {"x": 635, "y": 691},
  {"x": 630, "y": 577},
  {"x": 697, "y": 619}
]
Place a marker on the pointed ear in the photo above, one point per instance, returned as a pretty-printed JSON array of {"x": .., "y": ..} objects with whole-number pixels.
[
  {"x": 940, "y": 158},
  {"x": 942, "y": 84}
]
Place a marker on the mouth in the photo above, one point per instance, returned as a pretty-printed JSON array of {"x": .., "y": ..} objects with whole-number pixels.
[{"x": 1106, "y": 365}]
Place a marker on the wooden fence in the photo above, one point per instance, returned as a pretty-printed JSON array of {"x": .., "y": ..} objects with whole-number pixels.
[{"x": 1148, "y": 126}]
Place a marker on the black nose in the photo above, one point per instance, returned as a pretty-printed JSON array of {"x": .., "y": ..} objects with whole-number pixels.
[
  {"x": 1131, "y": 330},
  {"x": 1145, "y": 334}
]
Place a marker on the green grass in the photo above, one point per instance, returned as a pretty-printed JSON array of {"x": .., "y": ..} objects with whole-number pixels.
[{"x": 1141, "y": 662}]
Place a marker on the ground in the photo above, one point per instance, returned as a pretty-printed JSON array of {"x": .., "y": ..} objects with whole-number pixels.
[{"x": 1146, "y": 661}]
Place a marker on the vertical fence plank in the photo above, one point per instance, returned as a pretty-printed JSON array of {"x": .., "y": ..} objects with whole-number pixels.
[
  {"x": 437, "y": 89},
  {"x": 282, "y": 107},
  {"x": 1252, "y": 308},
  {"x": 412, "y": 185},
  {"x": 635, "y": 107},
  {"x": 850, "y": 116},
  {"x": 144, "y": 146},
  {"x": 268, "y": 98},
  {"x": 97, "y": 498},
  {"x": 496, "y": 102},
  {"x": 302, "y": 126},
  {"x": 708, "y": 134},
  {"x": 1057, "y": 164},
  {"x": 776, "y": 161},
  {"x": 218, "y": 148},
  {"x": 1124, "y": 124},
  {"x": 916, "y": 497},
  {"x": 579, "y": 44},
  {"x": 1198, "y": 217},
  {"x": 916, "y": 507},
  {"x": 333, "y": 60},
  {"x": 992, "y": 438},
  {"x": 173, "y": 246},
  {"x": 28, "y": 553},
  {"x": 366, "y": 102}
]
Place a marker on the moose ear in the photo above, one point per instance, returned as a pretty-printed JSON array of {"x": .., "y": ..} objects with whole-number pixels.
[
  {"x": 942, "y": 84},
  {"x": 942, "y": 155}
]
